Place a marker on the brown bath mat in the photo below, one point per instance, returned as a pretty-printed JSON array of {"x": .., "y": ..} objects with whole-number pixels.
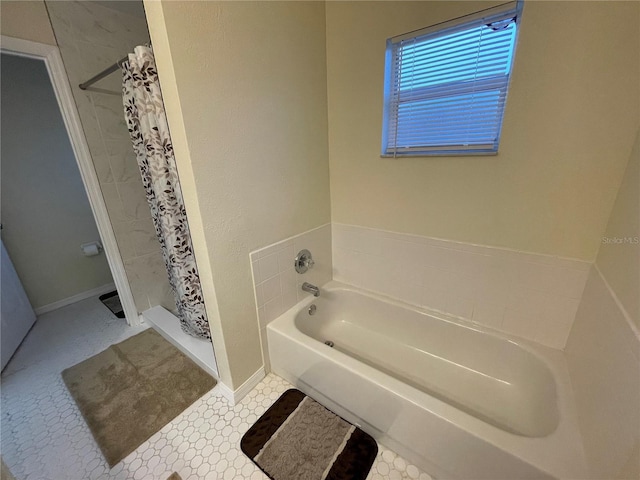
[
  {"x": 299, "y": 438},
  {"x": 132, "y": 389}
]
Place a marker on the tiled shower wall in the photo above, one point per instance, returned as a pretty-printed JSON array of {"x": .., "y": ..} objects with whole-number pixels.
[
  {"x": 277, "y": 284},
  {"x": 528, "y": 295},
  {"x": 91, "y": 37}
]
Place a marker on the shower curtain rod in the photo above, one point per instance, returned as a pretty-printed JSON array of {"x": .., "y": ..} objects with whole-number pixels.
[{"x": 107, "y": 71}]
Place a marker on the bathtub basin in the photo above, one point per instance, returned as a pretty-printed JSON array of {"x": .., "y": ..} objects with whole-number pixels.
[{"x": 456, "y": 399}]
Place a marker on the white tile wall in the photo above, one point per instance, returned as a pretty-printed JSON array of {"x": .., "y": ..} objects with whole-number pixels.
[
  {"x": 277, "y": 285},
  {"x": 529, "y": 295},
  {"x": 524, "y": 294}
]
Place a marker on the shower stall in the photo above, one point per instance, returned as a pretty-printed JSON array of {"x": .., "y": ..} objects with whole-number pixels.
[{"x": 93, "y": 58}]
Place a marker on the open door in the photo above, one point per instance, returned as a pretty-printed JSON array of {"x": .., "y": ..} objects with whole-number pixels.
[{"x": 16, "y": 315}]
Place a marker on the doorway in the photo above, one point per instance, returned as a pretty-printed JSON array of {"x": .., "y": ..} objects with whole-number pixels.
[
  {"x": 48, "y": 56},
  {"x": 48, "y": 226},
  {"x": 46, "y": 216}
]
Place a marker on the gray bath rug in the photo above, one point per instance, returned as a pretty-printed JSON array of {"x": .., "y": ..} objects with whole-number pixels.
[
  {"x": 132, "y": 389},
  {"x": 299, "y": 438}
]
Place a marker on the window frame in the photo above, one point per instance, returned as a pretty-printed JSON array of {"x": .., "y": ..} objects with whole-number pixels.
[{"x": 450, "y": 89}]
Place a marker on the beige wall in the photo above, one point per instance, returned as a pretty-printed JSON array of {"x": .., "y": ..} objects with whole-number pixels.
[
  {"x": 92, "y": 37},
  {"x": 245, "y": 89},
  {"x": 619, "y": 255},
  {"x": 27, "y": 20},
  {"x": 45, "y": 211},
  {"x": 571, "y": 115}
]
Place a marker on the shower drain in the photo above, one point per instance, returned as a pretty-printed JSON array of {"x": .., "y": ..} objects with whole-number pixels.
[{"x": 329, "y": 342}]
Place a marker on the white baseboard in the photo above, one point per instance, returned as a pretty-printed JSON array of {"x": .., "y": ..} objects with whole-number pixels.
[
  {"x": 234, "y": 396},
  {"x": 226, "y": 392},
  {"x": 75, "y": 298}
]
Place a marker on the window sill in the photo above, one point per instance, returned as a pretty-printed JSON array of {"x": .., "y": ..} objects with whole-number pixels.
[{"x": 441, "y": 154}]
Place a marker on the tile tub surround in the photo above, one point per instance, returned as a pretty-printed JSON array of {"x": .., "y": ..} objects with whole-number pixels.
[
  {"x": 277, "y": 285},
  {"x": 529, "y": 295},
  {"x": 603, "y": 357},
  {"x": 91, "y": 37}
]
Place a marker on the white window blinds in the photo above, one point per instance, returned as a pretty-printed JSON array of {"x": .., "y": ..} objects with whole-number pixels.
[{"x": 446, "y": 85}]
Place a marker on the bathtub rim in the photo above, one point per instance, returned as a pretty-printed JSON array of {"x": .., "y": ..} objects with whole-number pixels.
[{"x": 537, "y": 451}]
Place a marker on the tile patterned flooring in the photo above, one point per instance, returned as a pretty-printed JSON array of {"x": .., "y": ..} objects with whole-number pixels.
[{"x": 45, "y": 438}]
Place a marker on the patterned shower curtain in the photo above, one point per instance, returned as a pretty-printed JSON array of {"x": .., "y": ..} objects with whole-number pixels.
[{"x": 147, "y": 122}]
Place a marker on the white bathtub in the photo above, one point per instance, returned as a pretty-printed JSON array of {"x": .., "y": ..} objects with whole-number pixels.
[{"x": 454, "y": 398}]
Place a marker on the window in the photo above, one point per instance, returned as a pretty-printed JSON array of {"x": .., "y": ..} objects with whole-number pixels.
[{"x": 446, "y": 85}]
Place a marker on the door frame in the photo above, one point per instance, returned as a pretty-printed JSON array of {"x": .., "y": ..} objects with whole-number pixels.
[{"x": 50, "y": 54}]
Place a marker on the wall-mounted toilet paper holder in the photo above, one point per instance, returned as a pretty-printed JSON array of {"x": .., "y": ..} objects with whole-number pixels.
[{"x": 91, "y": 249}]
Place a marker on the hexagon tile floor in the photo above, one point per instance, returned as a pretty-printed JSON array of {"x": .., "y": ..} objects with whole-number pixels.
[{"x": 45, "y": 438}]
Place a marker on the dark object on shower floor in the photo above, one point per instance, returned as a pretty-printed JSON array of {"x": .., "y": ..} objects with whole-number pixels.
[
  {"x": 299, "y": 438},
  {"x": 112, "y": 301}
]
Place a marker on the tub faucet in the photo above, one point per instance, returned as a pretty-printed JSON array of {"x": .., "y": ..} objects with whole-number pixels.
[{"x": 307, "y": 287}]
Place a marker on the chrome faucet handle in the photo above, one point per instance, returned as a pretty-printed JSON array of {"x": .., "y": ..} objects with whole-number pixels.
[{"x": 304, "y": 261}]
